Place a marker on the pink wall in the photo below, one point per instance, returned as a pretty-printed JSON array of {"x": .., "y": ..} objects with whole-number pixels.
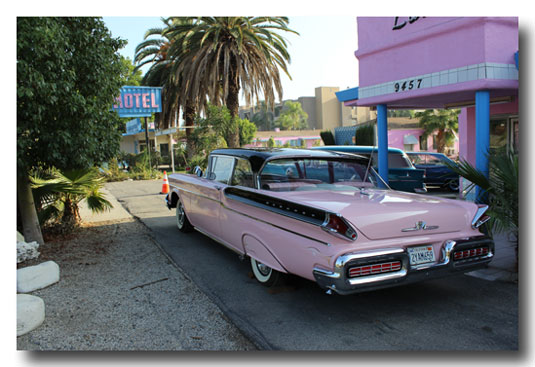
[
  {"x": 309, "y": 140},
  {"x": 395, "y": 139},
  {"x": 433, "y": 45}
]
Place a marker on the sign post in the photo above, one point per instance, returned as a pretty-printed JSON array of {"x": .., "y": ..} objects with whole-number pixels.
[{"x": 137, "y": 101}]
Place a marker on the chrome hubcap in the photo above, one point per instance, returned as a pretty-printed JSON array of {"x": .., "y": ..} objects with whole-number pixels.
[
  {"x": 180, "y": 215},
  {"x": 263, "y": 269}
]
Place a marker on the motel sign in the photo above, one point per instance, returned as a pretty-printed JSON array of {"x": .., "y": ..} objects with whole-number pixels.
[{"x": 138, "y": 101}]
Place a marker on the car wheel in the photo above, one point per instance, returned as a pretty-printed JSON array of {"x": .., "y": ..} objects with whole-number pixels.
[
  {"x": 453, "y": 185},
  {"x": 266, "y": 275},
  {"x": 182, "y": 221}
]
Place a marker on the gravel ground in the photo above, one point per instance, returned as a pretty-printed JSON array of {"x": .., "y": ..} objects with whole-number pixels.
[{"x": 117, "y": 291}]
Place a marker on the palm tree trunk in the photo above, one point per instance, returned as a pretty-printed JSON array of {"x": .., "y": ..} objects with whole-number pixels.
[
  {"x": 233, "y": 104},
  {"x": 441, "y": 141},
  {"x": 189, "y": 119},
  {"x": 30, "y": 223},
  {"x": 71, "y": 214}
]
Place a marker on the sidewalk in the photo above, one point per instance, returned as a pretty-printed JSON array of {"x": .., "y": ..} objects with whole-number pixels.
[
  {"x": 119, "y": 292},
  {"x": 117, "y": 213},
  {"x": 503, "y": 266}
]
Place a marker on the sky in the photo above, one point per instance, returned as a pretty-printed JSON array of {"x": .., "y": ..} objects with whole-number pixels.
[{"x": 321, "y": 55}]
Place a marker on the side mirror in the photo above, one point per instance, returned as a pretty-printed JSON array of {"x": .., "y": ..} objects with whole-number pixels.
[{"x": 198, "y": 171}]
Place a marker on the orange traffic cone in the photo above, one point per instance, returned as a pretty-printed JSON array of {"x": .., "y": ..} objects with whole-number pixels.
[{"x": 165, "y": 186}]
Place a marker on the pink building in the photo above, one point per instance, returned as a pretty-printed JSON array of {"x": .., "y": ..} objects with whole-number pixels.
[{"x": 442, "y": 62}]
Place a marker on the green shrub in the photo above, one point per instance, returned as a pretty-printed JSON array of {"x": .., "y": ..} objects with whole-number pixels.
[
  {"x": 365, "y": 135},
  {"x": 327, "y": 137}
]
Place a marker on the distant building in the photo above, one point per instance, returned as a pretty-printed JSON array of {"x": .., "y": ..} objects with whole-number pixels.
[
  {"x": 324, "y": 110},
  {"x": 291, "y": 138}
]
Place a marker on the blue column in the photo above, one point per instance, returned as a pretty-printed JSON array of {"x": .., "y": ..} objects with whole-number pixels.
[
  {"x": 482, "y": 133},
  {"x": 382, "y": 141}
]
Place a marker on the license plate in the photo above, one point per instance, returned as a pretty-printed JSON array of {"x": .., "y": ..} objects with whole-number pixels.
[{"x": 421, "y": 255}]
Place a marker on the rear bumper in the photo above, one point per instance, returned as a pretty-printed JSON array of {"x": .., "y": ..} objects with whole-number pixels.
[{"x": 339, "y": 281}]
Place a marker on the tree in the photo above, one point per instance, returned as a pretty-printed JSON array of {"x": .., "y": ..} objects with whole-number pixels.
[
  {"x": 445, "y": 122},
  {"x": 134, "y": 75},
  {"x": 264, "y": 118},
  {"x": 221, "y": 55},
  {"x": 161, "y": 53},
  {"x": 57, "y": 194},
  {"x": 247, "y": 131},
  {"x": 68, "y": 75},
  {"x": 499, "y": 189},
  {"x": 154, "y": 51},
  {"x": 292, "y": 117}
]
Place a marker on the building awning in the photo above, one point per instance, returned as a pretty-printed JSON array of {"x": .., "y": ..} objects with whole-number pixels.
[
  {"x": 348, "y": 94},
  {"x": 410, "y": 139}
]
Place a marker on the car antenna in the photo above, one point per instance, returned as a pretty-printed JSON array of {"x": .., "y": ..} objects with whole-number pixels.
[{"x": 369, "y": 164}]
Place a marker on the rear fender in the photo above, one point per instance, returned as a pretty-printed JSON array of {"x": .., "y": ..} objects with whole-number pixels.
[{"x": 258, "y": 251}]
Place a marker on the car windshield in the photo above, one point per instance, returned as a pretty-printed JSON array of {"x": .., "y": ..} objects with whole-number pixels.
[
  {"x": 395, "y": 160},
  {"x": 316, "y": 174},
  {"x": 430, "y": 159}
]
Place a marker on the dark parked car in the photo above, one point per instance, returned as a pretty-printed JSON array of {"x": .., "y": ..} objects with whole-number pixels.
[
  {"x": 437, "y": 172},
  {"x": 402, "y": 175}
]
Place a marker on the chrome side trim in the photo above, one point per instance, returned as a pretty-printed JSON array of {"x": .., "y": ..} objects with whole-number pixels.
[
  {"x": 251, "y": 217},
  {"x": 276, "y": 226}
]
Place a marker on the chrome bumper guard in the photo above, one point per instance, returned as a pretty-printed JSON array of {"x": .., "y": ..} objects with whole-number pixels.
[{"x": 338, "y": 280}]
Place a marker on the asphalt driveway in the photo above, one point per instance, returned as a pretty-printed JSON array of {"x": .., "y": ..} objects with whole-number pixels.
[{"x": 457, "y": 313}]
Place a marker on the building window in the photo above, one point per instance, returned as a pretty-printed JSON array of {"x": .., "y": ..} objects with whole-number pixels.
[
  {"x": 164, "y": 150},
  {"x": 143, "y": 145},
  {"x": 498, "y": 134},
  {"x": 435, "y": 145},
  {"x": 423, "y": 143},
  {"x": 504, "y": 134},
  {"x": 515, "y": 140}
]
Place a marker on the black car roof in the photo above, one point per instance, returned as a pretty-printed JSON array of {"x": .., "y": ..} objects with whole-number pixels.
[{"x": 257, "y": 156}]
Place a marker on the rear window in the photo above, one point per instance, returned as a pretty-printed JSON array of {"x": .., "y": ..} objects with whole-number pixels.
[{"x": 315, "y": 174}]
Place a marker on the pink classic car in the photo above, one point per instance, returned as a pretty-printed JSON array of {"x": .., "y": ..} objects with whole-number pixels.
[{"x": 321, "y": 215}]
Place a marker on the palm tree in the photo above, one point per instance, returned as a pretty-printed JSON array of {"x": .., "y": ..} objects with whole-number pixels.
[
  {"x": 499, "y": 191},
  {"x": 154, "y": 51},
  {"x": 57, "y": 194},
  {"x": 161, "y": 73},
  {"x": 444, "y": 122},
  {"x": 218, "y": 56}
]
